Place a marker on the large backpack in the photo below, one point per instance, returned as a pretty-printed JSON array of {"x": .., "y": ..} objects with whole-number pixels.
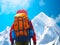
[{"x": 22, "y": 30}]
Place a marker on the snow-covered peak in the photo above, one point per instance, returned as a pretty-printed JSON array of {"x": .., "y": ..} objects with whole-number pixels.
[
  {"x": 45, "y": 19},
  {"x": 46, "y": 27},
  {"x": 5, "y": 30},
  {"x": 4, "y": 36}
]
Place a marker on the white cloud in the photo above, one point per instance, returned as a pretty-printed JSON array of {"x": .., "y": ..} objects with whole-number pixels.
[
  {"x": 58, "y": 19},
  {"x": 8, "y": 6},
  {"x": 42, "y": 3}
]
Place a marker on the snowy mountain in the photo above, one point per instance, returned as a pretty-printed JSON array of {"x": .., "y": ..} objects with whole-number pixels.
[
  {"x": 4, "y": 36},
  {"x": 47, "y": 31}
]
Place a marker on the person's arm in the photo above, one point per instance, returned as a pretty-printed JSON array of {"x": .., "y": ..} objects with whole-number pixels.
[
  {"x": 34, "y": 37},
  {"x": 12, "y": 27}
]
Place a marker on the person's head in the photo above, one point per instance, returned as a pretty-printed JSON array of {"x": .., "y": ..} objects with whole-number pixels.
[{"x": 22, "y": 11}]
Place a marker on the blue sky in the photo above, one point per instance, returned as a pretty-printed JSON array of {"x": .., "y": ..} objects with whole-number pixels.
[{"x": 8, "y": 9}]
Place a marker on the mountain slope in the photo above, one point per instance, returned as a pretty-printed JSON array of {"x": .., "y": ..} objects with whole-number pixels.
[
  {"x": 4, "y": 36},
  {"x": 46, "y": 27}
]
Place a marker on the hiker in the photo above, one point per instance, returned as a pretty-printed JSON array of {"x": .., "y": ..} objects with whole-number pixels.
[{"x": 22, "y": 29}]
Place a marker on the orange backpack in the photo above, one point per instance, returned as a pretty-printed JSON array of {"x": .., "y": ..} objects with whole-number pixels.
[{"x": 21, "y": 25}]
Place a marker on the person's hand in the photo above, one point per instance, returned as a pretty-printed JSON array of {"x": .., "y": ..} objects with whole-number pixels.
[{"x": 34, "y": 43}]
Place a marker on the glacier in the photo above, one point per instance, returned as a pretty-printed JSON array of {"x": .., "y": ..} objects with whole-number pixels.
[{"x": 46, "y": 29}]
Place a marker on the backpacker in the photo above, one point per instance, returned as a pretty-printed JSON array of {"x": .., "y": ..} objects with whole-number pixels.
[{"x": 21, "y": 28}]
